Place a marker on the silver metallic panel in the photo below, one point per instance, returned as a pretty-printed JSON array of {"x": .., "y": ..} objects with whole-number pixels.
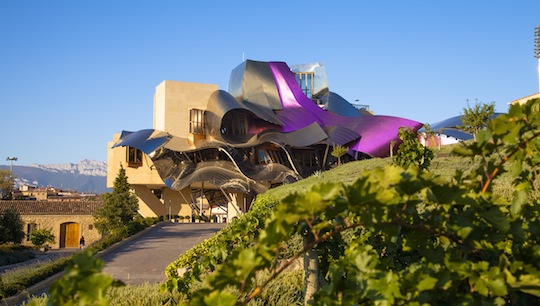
[{"x": 334, "y": 103}]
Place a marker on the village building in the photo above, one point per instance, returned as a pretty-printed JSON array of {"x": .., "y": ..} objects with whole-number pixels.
[{"x": 68, "y": 221}]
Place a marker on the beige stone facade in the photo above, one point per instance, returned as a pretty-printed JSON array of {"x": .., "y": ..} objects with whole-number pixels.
[{"x": 172, "y": 103}]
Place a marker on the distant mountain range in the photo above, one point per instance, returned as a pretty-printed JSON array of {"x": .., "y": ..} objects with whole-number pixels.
[{"x": 88, "y": 176}]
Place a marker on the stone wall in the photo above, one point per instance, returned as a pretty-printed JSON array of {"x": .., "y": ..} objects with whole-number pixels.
[{"x": 54, "y": 223}]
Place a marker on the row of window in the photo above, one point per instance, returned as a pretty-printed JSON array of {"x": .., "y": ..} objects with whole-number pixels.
[
  {"x": 269, "y": 156},
  {"x": 264, "y": 156},
  {"x": 306, "y": 158},
  {"x": 206, "y": 155}
]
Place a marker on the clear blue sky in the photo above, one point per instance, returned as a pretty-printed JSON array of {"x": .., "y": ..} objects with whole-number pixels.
[{"x": 73, "y": 73}]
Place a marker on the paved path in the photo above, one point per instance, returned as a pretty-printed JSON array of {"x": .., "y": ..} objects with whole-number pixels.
[{"x": 145, "y": 258}]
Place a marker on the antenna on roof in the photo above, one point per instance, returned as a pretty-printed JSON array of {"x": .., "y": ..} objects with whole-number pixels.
[{"x": 243, "y": 59}]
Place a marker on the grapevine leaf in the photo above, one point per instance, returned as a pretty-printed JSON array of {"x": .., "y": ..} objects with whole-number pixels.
[
  {"x": 220, "y": 298},
  {"x": 496, "y": 218}
]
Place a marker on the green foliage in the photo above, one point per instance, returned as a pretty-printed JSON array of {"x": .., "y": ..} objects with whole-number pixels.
[
  {"x": 284, "y": 290},
  {"x": 398, "y": 236},
  {"x": 143, "y": 295},
  {"x": 411, "y": 152},
  {"x": 6, "y": 185},
  {"x": 82, "y": 283},
  {"x": 11, "y": 226},
  {"x": 120, "y": 206},
  {"x": 475, "y": 119},
  {"x": 10, "y": 254},
  {"x": 41, "y": 236},
  {"x": 534, "y": 117},
  {"x": 338, "y": 151},
  {"x": 18, "y": 280}
]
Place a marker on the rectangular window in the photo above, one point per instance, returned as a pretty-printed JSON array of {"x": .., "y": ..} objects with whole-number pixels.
[
  {"x": 30, "y": 227},
  {"x": 306, "y": 80},
  {"x": 196, "y": 121},
  {"x": 134, "y": 157}
]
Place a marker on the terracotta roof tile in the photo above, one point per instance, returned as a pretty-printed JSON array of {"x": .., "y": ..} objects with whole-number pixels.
[{"x": 52, "y": 207}]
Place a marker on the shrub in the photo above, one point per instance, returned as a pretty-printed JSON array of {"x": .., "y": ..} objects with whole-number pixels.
[
  {"x": 135, "y": 227},
  {"x": 11, "y": 226},
  {"x": 11, "y": 254},
  {"x": 338, "y": 151},
  {"x": 41, "y": 236},
  {"x": 18, "y": 280},
  {"x": 411, "y": 152}
]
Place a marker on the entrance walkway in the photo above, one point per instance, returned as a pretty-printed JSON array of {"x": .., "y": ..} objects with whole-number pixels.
[{"x": 145, "y": 258}]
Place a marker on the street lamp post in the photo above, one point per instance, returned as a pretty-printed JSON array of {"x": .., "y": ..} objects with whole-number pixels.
[
  {"x": 537, "y": 50},
  {"x": 11, "y": 160}
]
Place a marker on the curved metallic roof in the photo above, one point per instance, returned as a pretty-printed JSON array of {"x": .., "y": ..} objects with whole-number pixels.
[
  {"x": 298, "y": 110},
  {"x": 280, "y": 118},
  {"x": 334, "y": 103},
  {"x": 452, "y": 127}
]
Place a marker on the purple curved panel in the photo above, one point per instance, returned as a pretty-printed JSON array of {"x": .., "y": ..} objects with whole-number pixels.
[{"x": 299, "y": 111}]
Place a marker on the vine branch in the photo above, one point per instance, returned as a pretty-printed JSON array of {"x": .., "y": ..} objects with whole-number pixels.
[{"x": 338, "y": 229}]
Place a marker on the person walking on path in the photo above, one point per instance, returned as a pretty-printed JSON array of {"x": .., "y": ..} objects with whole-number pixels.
[{"x": 81, "y": 242}]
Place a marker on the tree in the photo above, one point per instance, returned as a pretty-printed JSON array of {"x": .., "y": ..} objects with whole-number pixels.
[
  {"x": 411, "y": 151},
  {"x": 11, "y": 226},
  {"x": 338, "y": 151},
  {"x": 120, "y": 206},
  {"x": 6, "y": 185},
  {"x": 41, "y": 236},
  {"x": 534, "y": 104},
  {"x": 475, "y": 119}
]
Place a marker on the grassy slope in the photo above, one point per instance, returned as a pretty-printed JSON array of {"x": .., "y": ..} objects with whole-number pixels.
[{"x": 443, "y": 164}]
